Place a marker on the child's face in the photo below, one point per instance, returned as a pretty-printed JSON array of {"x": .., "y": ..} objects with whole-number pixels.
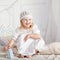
[{"x": 26, "y": 22}]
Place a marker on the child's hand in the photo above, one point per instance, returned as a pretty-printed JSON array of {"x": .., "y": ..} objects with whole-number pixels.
[
  {"x": 6, "y": 48},
  {"x": 27, "y": 37}
]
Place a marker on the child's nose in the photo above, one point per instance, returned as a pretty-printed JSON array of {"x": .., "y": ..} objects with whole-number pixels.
[{"x": 27, "y": 20}]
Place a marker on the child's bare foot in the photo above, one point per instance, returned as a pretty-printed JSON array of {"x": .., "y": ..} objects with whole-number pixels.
[
  {"x": 29, "y": 56},
  {"x": 20, "y": 56},
  {"x": 37, "y": 52}
]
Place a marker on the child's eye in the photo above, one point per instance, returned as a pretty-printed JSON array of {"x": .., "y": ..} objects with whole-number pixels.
[{"x": 29, "y": 19}]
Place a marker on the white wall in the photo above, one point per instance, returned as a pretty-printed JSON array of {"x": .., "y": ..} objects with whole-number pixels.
[
  {"x": 53, "y": 30},
  {"x": 55, "y": 15}
]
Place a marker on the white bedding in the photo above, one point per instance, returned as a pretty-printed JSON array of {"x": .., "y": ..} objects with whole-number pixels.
[
  {"x": 50, "y": 52},
  {"x": 53, "y": 48},
  {"x": 37, "y": 57}
]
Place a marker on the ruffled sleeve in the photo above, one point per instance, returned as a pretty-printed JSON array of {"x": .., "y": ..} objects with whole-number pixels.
[{"x": 16, "y": 34}]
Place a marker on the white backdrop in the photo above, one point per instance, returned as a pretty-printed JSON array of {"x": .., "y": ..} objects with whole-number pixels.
[{"x": 45, "y": 13}]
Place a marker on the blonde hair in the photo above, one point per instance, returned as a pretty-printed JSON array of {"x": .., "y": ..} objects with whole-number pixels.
[{"x": 23, "y": 15}]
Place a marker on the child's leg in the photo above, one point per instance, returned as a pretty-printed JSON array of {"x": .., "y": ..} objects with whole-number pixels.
[
  {"x": 20, "y": 56},
  {"x": 39, "y": 44},
  {"x": 24, "y": 47}
]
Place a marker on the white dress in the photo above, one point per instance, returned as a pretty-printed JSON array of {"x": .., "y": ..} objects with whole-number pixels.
[{"x": 28, "y": 47}]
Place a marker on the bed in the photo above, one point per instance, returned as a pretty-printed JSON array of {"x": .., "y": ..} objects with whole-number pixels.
[
  {"x": 50, "y": 51},
  {"x": 36, "y": 57}
]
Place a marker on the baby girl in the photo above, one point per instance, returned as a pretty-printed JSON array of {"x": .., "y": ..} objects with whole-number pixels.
[{"x": 27, "y": 37}]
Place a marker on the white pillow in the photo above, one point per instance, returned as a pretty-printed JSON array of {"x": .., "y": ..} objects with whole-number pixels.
[
  {"x": 6, "y": 33},
  {"x": 53, "y": 48}
]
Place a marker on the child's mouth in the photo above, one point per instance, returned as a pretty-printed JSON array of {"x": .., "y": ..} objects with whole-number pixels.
[{"x": 27, "y": 23}]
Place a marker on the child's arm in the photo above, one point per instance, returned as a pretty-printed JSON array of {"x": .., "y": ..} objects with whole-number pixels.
[
  {"x": 34, "y": 36},
  {"x": 9, "y": 45}
]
